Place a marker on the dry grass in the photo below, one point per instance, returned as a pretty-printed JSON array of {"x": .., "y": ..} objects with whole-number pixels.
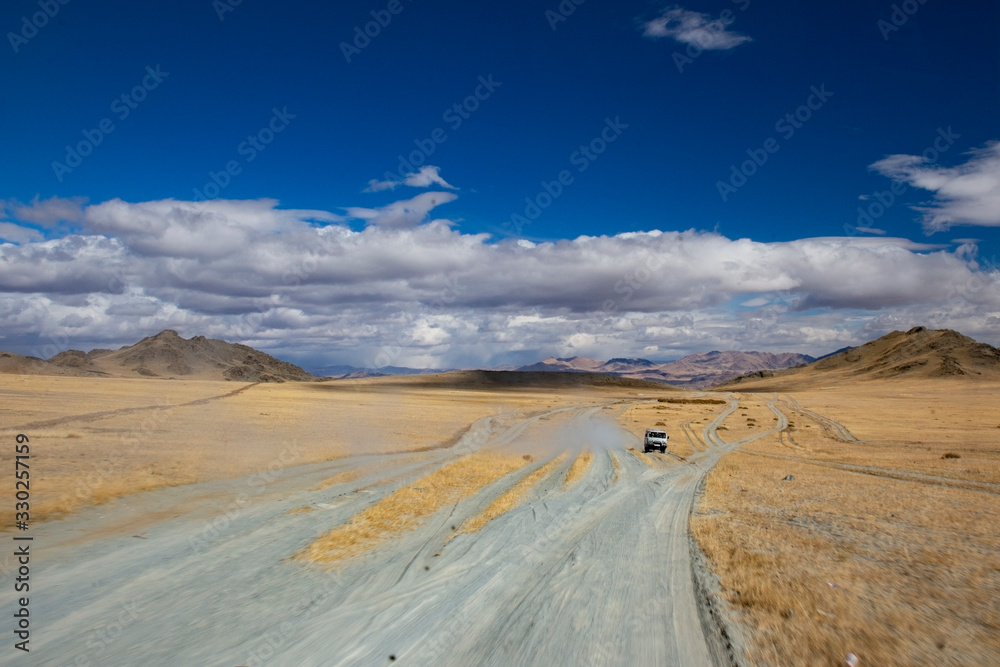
[
  {"x": 343, "y": 478},
  {"x": 579, "y": 468},
  {"x": 97, "y": 439},
  {"x": 510, "y": 498},
  {"x": 641, "y": 456},
  {"x": 897, "y": 572},
  {"x": 305, "y": 509},
  {"x": 616, "y": 466},
  {"x": 50, "y": 501},
  {"x": 406, "y": 508},
  {"x": 638, "y": 418},
  {"x": 752, "y": 418},
  {"x": 910, "y": 425}
]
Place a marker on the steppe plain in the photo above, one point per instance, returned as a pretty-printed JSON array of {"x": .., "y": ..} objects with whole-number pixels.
[{"x": 457, "y": 520}]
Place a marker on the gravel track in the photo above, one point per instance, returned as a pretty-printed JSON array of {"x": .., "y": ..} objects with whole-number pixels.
[{"x": 599, "y": 573}]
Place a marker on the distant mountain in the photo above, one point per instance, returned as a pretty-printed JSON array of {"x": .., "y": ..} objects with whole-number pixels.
[
  {"x": 352, "y": 372},
  {"x": 165, "y": 355},
  {"x": 566, "y": 365},
  {"x": 619, "y": 365},
  {"x": 707, "y": 369},
  {"x": 695, "y": 371},
  {"x": 919, "y": 353},
  {"x": 518, "y": 380}
]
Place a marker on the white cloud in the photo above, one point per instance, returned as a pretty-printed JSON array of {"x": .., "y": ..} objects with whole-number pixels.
[
  {"x": 18, "y": 234},
  {"x": 203, "y": 230},
  {"x": 968, "y": 194},
  {"x": 408, "y": 288},
  {"x": 694, "y": 28},
  {"x": 48, "y": 212},
  {"x": 425, "y": 178},
  {"x": 400, "y": 214}
]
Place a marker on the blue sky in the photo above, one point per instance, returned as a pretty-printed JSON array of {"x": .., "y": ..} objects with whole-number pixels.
[{"x": 643, "y": 109}]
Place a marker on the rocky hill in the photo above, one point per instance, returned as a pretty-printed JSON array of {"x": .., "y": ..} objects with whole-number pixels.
[
  {"x": 165, "y": 355},
  {"x": 914, "y": 354}
]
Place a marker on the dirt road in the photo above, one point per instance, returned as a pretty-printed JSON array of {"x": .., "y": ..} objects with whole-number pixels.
[{"x": 596, "y": 571}]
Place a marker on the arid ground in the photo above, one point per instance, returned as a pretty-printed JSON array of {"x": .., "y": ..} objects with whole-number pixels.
[{"x": 444, "y": 521}]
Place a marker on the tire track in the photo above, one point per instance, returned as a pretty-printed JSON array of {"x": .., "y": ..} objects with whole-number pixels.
[
  {"x": 889, "y": 473},
  {"x": 597, "y": 573},
  {"x": 692, "y": 437},
  {"x": 94, "y": 416},
  {"x": 710, "y": 433},
  {"x": 833, "y": 428}
]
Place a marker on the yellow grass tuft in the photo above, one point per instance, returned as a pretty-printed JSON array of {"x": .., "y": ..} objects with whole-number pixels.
[
  {"x": 339, "y": 478},
  {"x": 642, "y": 457},
  {"x": 59, "y": 502},
  {"x": 305, "y": 509},
  {"x": 510, "y": 498},
  {"x": 579, "y": 468},
  {"x": 406, "y": 508},
  {"x": 616, "y": 466}
]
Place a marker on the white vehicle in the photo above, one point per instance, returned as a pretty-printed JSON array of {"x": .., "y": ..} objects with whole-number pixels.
[{"x": 655, "y": 439}]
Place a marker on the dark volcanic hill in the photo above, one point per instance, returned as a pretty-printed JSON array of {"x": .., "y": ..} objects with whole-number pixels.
[
  {"x": 914, "y": 354},
  {"x": 167, "y": 355}
]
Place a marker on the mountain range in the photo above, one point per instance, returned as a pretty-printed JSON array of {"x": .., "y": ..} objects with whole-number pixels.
[
  {"x": 917, "y": 353},
  {"x": 694, "y": 371}
]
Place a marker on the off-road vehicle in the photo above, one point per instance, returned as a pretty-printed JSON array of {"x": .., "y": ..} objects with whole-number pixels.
[{"x": 655, "y": 439}]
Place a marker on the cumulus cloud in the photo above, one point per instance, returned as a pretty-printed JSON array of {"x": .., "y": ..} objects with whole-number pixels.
[
  {"x": 48, "y": 212},
  {"x": 427, "y": 176},
  {"x": 694, "y": 28},
  {"x": 408, "y": 213},
  {"x": 197, "y": 230},
  {"x": 411, "y": 290},
  {"x": 18, "y": 234},
  {"x": 968, "y": 194}
]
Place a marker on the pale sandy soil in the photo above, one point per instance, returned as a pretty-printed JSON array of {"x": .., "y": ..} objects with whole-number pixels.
[
  {"x": 512, "y": 526},
  {"x": 93, "y": 439},
  {"x": 535, "y": 539}
]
